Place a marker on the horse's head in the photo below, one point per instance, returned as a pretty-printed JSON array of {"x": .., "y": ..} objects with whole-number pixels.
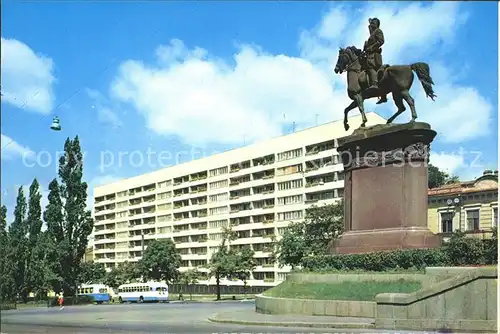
[{"x": 346, "y": 57}]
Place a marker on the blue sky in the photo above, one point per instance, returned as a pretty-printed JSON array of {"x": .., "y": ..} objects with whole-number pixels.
[{"x": 190, "y": 79}]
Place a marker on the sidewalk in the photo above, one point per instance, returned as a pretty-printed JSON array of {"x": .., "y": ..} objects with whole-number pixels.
[
  {"x": 257, "y": 319},
  {"x": 195, "y": 301}
]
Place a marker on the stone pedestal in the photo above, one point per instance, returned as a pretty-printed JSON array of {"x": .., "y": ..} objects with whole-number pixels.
[{"x": 385, "y": 195}]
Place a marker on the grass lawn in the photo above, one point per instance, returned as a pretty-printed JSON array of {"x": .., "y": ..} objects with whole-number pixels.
[{"x": 363, "y": 291}]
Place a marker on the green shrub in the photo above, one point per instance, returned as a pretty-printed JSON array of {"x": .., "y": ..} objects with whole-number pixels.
[
  {"x": 378, "y": 261},
  {"x": 491, "y": 249},
  {"x": 460, "y": 250}
]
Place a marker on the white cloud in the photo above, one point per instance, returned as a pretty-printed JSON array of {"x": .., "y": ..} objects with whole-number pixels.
[
  {"x": 464, "y": 164},
  {"x": 105, "y": 113},
  {"x": 11, "y": 149},
  {"x": 27, "y": 78},
  {"x": 202, "y": 99},
  {"x": 449, "y": 163}
]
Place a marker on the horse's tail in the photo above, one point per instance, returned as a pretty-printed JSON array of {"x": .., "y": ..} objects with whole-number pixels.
[{"x": 424, "y": 75}]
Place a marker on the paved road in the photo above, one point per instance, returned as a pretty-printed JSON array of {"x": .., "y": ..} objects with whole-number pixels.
[{"x": 139, "y": 318}]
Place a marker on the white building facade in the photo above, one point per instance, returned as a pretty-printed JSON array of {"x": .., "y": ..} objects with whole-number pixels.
[{"x": 258, "y": 190}]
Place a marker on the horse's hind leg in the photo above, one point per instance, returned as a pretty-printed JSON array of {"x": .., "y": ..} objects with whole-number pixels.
[
  {"x": 398, "y": 101},
  {"x": 411, "y": 102}
]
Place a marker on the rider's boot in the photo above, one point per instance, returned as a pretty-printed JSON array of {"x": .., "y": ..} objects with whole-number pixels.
[{"x": 372, "y": 76}]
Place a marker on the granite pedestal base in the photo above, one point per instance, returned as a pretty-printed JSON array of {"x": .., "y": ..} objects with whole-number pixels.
[{"x": 385, "y": 195}]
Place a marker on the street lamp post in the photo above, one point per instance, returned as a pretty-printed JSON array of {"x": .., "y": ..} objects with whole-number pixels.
[{"x": 455, "y": 203}]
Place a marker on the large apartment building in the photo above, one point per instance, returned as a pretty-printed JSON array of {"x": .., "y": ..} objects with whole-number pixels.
[{"x": 258, "y": 189}]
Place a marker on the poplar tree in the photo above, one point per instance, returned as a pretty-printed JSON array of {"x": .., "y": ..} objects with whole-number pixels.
[
  {"x": 69, "y": 223},
  {"x": 54, "y": 236},
  {"x": 35, "y": 275},
  {"x": 18, "y": 244},
  {"x": 7, "y": 284}
]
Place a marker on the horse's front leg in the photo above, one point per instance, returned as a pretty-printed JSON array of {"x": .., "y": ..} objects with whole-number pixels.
[
  {"x": 359, "y": 101},
  {"x": 346, "y": 112}
]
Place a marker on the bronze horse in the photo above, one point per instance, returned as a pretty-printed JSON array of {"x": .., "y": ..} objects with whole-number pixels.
[{"x": 395, "y": 79}]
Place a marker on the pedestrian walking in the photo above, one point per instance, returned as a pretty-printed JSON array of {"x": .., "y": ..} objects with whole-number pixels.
[{"x": 61, "y": 302}]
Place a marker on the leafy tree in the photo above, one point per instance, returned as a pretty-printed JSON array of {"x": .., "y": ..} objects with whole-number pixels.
[
  {"x": 42, "y": 277},
  {"x": 34, "y": 212},
  {"x": 322, "y": 225},
  {"x": 244, "y": 265},
  {"x": 91, "y": 273},
  {"x": 53, "y": 217},
  {"x": 438, "y": 178},
  {"x": 188, "y": 278},
  {"x": 222, "y": 263},
  {"x": 18, "y": 247},
  {"x": 35, "y": 251},
  {"x": 124, "y": 272},
  {"x": 7, "y": 282},
  {"x": 68, "y": 222},
  {"x": 161, "y": 261},
  {"x": 313, "y": 236},
  {"x": 292, "y": 247}
]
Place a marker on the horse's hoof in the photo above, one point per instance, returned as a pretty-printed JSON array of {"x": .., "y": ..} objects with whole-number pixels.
[{"x": 346, "y": 127}]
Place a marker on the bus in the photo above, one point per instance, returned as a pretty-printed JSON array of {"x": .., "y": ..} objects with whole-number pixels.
[
  {"x": 99, "y": 292},
  {"x": 141, "y": 292}
]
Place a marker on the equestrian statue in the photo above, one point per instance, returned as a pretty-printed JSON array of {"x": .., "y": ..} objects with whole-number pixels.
[{"x": 367, "y": 77}]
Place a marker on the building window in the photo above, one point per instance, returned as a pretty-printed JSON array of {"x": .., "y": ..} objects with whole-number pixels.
[
  {"x": 291, "y": 215},
  {"x": 121, "y": 214},
  {"x": 495, "y": 217},
  {"x": 165, "y": 184},
  {"x": 289, "y": 170},
  {"x": 290, "y": 200},
  {"x": 290, "y": 154},
  {"x": 219, "y": 184},
  {"x": 219, "y": 171},
  {"x": 446, "y": 222},
  {"x": 219, "y": 210},
  {"x": 294, "y": 184},
  {"x": 219, "y": 197},
  {"x": 122, "y": 194},
  {"x": 473, "y": 220},
  {"x": 217, "y": 223}
]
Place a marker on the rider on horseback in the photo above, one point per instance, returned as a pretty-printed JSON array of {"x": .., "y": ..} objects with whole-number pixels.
[{"x": 373, "y": 51}]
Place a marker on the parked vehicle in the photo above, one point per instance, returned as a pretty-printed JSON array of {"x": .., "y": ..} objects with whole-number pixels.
[{"x": 143, "y": 292}]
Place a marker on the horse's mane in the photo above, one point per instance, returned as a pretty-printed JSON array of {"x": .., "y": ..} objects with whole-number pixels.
[{"x": 354, "y": 50}]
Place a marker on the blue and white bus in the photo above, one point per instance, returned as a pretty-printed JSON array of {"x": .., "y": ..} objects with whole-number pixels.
[
  {"x": 99, "y": 292},
  {"x": 141, "y": 292}
]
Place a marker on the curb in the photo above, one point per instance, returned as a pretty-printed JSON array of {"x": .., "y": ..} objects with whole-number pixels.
[
  {"x": 293, "y": 324},
  {"x": 210, "y": 301}
]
